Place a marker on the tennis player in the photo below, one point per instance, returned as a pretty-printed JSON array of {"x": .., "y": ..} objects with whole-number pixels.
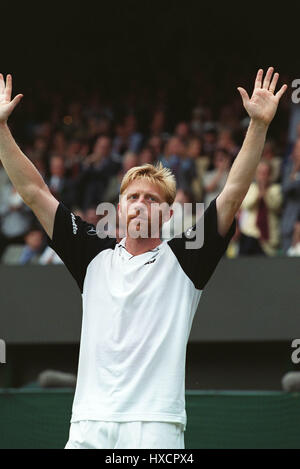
[{"x": 140, "y": 294}]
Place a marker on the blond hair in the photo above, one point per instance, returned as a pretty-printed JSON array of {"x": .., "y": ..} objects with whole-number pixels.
[{"x": 155, "y": 174}]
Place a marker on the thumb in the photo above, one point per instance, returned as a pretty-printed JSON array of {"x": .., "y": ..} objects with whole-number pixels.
[
  {"x": 243, "y": 94},
  {"x": 15, "y": 102}
]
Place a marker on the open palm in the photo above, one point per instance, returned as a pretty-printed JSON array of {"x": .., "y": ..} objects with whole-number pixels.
[
  {"x": 6, "y": 104},
  {"x": 263, "y": 103}
]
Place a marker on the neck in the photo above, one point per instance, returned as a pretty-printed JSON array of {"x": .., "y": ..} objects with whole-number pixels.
[{"x": 136, "y": 246}]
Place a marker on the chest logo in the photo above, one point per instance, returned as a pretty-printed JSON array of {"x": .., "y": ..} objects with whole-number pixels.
[
  {"x": 74, "y": 225},
  {"x": 151, "y": 262},
  {"x": 92, "y": 232}
]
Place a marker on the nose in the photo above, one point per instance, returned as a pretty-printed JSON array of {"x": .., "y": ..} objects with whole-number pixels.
[
  {"x": 140, "y": 201},
  {"x": 140, "y": 205}
]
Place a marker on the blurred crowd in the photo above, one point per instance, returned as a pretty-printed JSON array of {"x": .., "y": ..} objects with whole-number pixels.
[{"x": 82, "y": 149}]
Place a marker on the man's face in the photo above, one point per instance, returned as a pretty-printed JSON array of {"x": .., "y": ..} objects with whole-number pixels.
[
  {"x": 194, "y": 149},
  {"x": 139, "y": 209},
  {"x": 263, "y": 174},
  {"x": 34, "y": 239},
  {"x": 130, "y": 160},
  {"x": 57, "y": 167},
  {"x": 175, "y": 146},
  {"x": 156, "y": 143},
  {"x": 130, "y": 124},
  {"x": 221, "y": 160},
  {"x": 182, "y": 130},
  {"x": 102, "y": 147}
]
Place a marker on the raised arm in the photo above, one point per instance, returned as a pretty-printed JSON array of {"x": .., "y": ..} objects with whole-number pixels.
[
  {"x": 22, "y": 173},
  {"x": 261, "y": 108}
]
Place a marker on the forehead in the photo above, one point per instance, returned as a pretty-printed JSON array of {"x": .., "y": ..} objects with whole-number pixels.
[{"x": 143, "y": 186}]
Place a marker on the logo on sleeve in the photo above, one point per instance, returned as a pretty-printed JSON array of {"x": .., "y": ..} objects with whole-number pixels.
[
  {"x": 74, "y": 225},
  {"x": 189, "y": 232},
  {"x": 91, "y": 231}
]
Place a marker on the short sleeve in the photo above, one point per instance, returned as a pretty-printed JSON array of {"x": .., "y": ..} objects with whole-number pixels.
[
  {"x": 200, "y": 264},
  {"x": 76, "y": 242}
]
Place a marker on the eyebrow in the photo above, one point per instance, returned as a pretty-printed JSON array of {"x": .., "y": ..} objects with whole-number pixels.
[{"x": 156, "y": 196}]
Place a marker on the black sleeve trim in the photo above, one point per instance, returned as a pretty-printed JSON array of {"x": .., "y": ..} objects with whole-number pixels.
[
  {"x": 200, "y": 264},
  {"x": 76, "y": 242}
]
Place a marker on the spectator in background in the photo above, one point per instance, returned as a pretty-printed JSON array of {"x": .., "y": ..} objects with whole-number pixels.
[
  {"x": 120, "y": 144},
  {"x": 156, "y": 145},
  {"x": 228, "y": 117},
  {"x": 194, "y": 151},
  {"x": 182, "y": 131},
  {"x": 187, "y": 173},
  {"x": 134, "y": 137},
  {"x": 147, "y": 156},
  {"x": 127, "y": 138},
  {"x": 225, "y": 140},
  {"x": 158, "y": 124},
  {"x": 38, "y": 154},
  {"x": 34, "y": 245},
  {"x": 73, "y": 121},
  {"x": 294, "y": 249},
  {"x": 27, "y": 253},
  {"x": 75, "y": 152},
  {"x": 39, "y": 150},
  {"x": 41, "y": 167},
  {"x": 197, "y": 121},
  {"x": 182, "y": 166},
  {"x": 291, "y": 192},
  {"x": 59, "y": 184},
  {"x": 113, "y": 188},
  {"x": 260, "y": 210},
  {"x": 15, "y": 218},
  {"x": 58, "y": 144},
  {"x": 270, "y": 155},
  {"x": 173, "y": 152},
  {"x": 214, "y": 181},
  {"x": 97, "y": 127},
  {"x": 210, "y": 140},
  {"x": 97, "y": 171}
]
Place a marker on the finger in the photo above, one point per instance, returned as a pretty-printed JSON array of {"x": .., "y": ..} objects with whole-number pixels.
[
  {"x": 243, "y": 94},
  {"x": 281, "y": 91},
  {"x": 258, "y": 79},
  {"x": 267, "y": 79},
  {"x": 15, "y": 102},
  {"x": 274, "y": 82},
  {"x": 2, "y": 85},
  {"x": 8, "y": 87}
]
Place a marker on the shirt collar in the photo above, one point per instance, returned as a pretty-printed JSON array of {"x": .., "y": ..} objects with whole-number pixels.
[{"x": 121, "y": 244}]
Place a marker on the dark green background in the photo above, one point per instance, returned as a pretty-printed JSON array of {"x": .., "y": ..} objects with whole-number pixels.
[{"x": 40, "y": 419}]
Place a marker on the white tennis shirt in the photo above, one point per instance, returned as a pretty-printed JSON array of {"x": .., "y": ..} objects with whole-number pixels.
[{"x": 137, "y": 317}]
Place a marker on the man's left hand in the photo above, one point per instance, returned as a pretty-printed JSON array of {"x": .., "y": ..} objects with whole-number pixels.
[{"x": 263, "y": 103}]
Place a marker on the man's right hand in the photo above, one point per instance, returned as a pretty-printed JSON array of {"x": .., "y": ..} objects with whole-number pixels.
[
  {"x": 24, "y": 176},
  {"x": 6, "y": 104}
]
